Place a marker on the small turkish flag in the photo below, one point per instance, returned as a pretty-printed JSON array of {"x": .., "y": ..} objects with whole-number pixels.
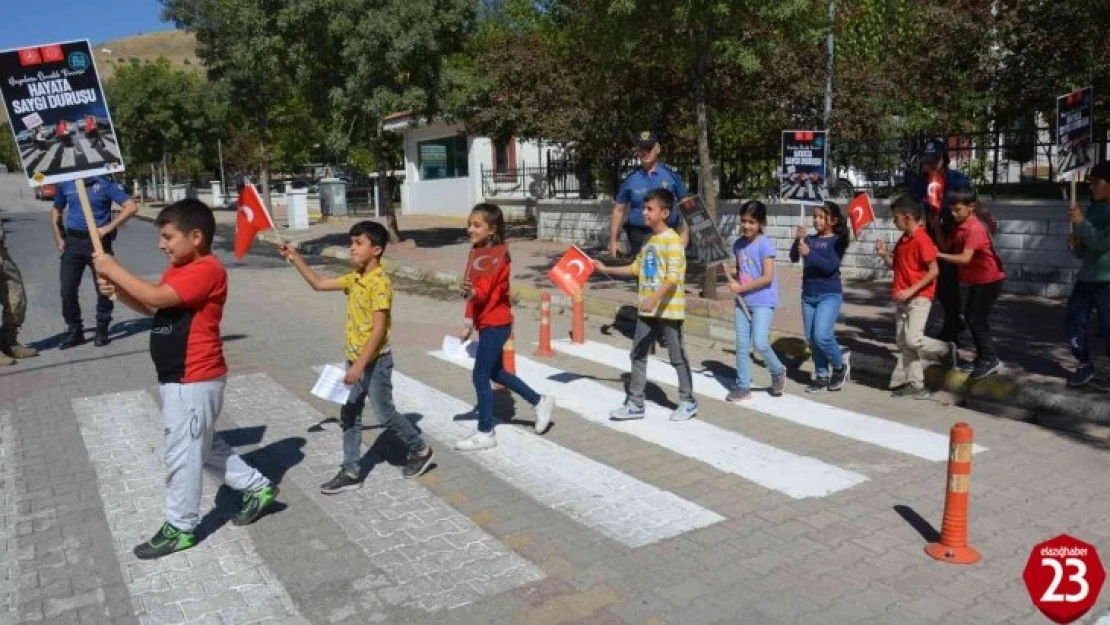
[
  {"x": 252, "y": 219},
  {"x": 934, "y": 193},
  {"x": 52, "y": 54},
  {"x": 860, "y": 213},
  {"x": 486, "y": 261},
  {"x": 29, "y": 56},
  {"x": 572, "y": 271}
]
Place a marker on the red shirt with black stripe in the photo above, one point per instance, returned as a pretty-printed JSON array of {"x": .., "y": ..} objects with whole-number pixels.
[{"x": 185, "y": 340}]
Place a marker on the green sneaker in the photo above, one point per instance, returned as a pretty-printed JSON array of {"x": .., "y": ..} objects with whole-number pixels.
[
  {"x": 254, "y": 503},
  {"x": 168, "y": 540}
]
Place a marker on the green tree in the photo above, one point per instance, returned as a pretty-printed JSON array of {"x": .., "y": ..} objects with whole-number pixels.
[
  {"x": 165, "y": 116},
  {"x": 9, "y": 155},
  {"x": 243, "y": 47}
]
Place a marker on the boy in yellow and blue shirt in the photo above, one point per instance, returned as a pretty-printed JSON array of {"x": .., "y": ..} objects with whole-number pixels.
[
  {"x": 369, "y": 358},
  {"x": 660, "y": 269}
]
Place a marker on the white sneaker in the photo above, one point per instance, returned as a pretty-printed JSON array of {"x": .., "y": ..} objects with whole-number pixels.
[
  {"x": 543, "y": 413},
  {"x": 477, "y": 442}
]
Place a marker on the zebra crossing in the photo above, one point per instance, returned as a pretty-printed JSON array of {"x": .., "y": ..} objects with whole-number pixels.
[
  {"x": 58, "y": 158},
  {"x": 419, "y": 551},
  {"x": 802, "y": 191}
]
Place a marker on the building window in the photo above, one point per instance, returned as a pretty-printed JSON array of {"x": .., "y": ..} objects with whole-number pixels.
[
  {"x": 504, "y": 157},
  {"x": 443, "y": 158}
]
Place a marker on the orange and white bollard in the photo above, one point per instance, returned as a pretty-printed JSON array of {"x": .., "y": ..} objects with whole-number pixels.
[
  {"x": 545, "y": 327},
  {"x": 508, "y": 356},
  {"x": 578, "y": 323},
  {"x": 953, "y": 546}
]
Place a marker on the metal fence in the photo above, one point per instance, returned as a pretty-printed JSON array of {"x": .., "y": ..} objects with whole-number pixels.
[{"x": 1004, "y": 163}]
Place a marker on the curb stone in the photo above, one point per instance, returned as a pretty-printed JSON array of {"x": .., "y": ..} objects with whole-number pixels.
[{"x": 1000, "y": 393}]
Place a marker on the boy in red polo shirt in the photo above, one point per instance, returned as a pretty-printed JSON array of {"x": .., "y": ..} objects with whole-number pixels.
[
  {"x": 980, "y": 270},
  {"x": 915, "y": 282},
  {"x": 187, "y": 306}
]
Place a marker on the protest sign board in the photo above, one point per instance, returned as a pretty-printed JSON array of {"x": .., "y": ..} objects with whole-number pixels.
[
  {"x": 802, "y": 176},
  {"x": 56, "y": 108},
  {"x": 707, "y": 238},
  {"x": 1074, "y": 132}
]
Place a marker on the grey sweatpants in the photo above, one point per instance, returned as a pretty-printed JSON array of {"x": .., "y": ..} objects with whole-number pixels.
[
  {"x": 189, "y": 413},
  {"x": 648, "y": 329}
]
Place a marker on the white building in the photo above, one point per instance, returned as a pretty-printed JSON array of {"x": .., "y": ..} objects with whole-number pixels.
[{"x": 444, "y": 166}]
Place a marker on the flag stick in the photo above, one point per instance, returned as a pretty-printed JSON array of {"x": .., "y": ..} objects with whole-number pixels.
[
  {"x": 90, "y": 220},
  {"x": 273, "y": 226}
]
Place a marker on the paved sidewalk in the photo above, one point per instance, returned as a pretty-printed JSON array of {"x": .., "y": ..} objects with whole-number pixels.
[{"x": 1028, "y": 329}]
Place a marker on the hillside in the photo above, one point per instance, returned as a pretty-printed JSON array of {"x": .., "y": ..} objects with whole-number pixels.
[{"x": 178, "y": 46}]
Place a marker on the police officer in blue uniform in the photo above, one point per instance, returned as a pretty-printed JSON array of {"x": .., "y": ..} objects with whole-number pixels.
[
  {"x": 71, "y": 234},
  {"x": 651, "y": 175},
  {"x": 935, "y": 159}
]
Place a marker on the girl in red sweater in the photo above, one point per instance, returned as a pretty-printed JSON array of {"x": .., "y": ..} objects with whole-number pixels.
[{"x": 489, "y": 311}]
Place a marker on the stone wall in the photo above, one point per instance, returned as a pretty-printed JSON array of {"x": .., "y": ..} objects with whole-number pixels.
[{"x": 1031, "y": 240}]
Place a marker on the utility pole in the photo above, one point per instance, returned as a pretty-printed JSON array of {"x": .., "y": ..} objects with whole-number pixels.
[
  {"x": 223, "y": 180},
  {"x": 829, "y": 68}
]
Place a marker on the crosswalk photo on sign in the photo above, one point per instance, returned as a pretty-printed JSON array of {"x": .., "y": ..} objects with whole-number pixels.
[
  {"x": 59, "y": 118},
  {"x": 802, "y": 177}
]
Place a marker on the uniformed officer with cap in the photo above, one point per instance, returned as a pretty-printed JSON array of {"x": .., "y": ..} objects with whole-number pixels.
[
  {"x": 651, "y": 175},
  {"x": 934, "y": 161},
  {"x": 71, "y": 234}
]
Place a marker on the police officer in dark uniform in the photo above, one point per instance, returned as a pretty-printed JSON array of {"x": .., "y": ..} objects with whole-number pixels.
[
  {"x": 651, "y": 175},
  {"x": 71, "y": 234},
  {"x": 934, "y": 160}
]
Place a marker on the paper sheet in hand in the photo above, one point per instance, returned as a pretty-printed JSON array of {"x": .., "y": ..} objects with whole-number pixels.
[
  {"x": 454, "y": 347},
  {"x": 330, "y": 386}
]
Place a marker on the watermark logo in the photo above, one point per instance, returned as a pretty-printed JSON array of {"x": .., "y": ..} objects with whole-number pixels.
[{"x": 1064, "y": 577}]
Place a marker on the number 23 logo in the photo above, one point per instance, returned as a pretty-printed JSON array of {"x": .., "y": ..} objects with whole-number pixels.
[{"x": 1058, "y": 570}]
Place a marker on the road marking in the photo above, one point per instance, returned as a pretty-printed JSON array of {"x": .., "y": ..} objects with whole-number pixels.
[
  {"x": 791, "y": 474},
  {"x": 598, "y": 496},
  {"x": 892, "y": 435},
  {"x": 92, "y": 156},
  {"x": 68, "y": 157},
  {"x": 429, "y": 555},
  {"x": 47, "y": 158},
  {"x": 9, "y": 556},
  {"x": 223, "y": 577}
]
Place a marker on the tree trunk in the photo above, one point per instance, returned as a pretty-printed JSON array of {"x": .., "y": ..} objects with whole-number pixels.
[
  {"x": 705, "y": 163},
  {"x": 385, "y": 193},
  {"x": 264, "y": 172},
  {"x": 166, "y": 195}
]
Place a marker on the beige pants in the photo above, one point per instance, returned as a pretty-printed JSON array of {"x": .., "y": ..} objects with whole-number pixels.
[{"x": 914, "y": 345}]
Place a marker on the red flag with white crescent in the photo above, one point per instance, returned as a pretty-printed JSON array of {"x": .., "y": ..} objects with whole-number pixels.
[
  {"x": 860, "y": 213},
  {"x": 486, "y": 261},
  {"x": 252, "y": 219},
  {"x": 572, "y": 271}
]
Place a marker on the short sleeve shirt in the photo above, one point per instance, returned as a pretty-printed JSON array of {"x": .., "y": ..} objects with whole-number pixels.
[
  {"x": 663, "y": 258},
  {"x": 366, "y": 293},
  {"x": 185, "y": 340},
  {"x": 985, "y": 266},
  {"x": 102, "y": 193},
  {"x": 637, "y": 185},
  {"x": 912, "y": 255},
  {"x": 749, "y": 267}
]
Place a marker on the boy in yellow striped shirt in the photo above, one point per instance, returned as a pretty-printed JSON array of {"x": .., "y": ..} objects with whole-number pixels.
[{"x": 661, "y": 271}]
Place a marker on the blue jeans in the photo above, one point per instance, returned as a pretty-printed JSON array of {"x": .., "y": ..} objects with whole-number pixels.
[
  {"x": 755, "y": 332},
  {"x": 1087, "y": 296},
  {"x": 487, "y": 366},
  {"x": 375, "y": 383},
  {"x": 819, "y": 314}
]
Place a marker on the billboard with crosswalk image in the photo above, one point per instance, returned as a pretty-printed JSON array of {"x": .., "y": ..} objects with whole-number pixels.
[
  {"x": 59, "y": 118},
  {"x": 802, "y": 177}
]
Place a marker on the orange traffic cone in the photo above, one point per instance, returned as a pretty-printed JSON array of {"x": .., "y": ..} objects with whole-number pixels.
[
  {"x": 578, "y": 321},
  {"x": 545, "y": 327},
  {"x": 953, "y": 546},
  {"x": 508, "y": 356}
]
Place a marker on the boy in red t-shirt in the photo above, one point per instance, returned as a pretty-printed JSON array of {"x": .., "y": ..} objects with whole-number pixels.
[
  {"x": 915, "y": 282},
  {"x": 980, "y": 269},
  {"x": 187, "y": 306}
]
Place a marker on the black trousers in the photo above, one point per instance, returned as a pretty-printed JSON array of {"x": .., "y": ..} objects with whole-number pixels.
[
  {"x": 75, "y": 257},
  {"x": 637, "y": 237},
  {"x": 948, "y": 296},
  {"x": 980, "y": 303}
]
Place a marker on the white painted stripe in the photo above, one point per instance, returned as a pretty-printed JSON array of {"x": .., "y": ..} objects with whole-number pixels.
[
  {"x": 123, "y": 435},
  {"x": 593, "y": 494},
  {"x": 68, "y": 156},
  {"x": 48, "y": 158},
  {"x": 892, "y": 435},
  {"x": 791, "y": 474},
  {"x": 91, "y": 155},
  {"x": 429, "y": 555},
  {"x": 9, "y": 556}
]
